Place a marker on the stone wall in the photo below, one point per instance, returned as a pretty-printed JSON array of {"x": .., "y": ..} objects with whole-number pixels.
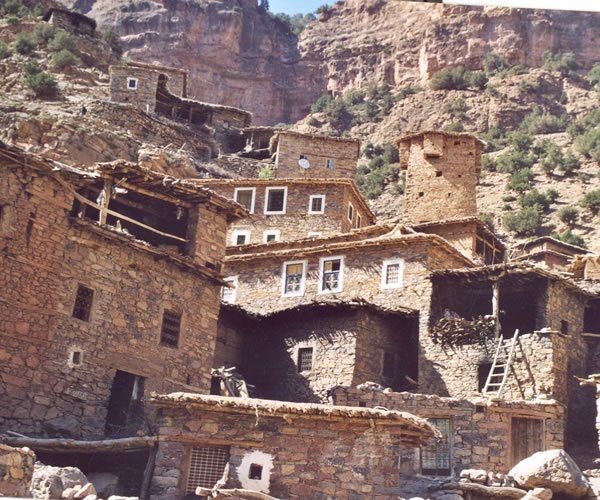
[
  {"x": 301, "y": 456},
  {"x": 348, "y": 346},
  {"x": 480, "y": 428},
  {"x": 441, "y": 180},
  {"x": 317, "y": 150},
  {"x": 16, "y": 471},
  {"x": 47, "y": 256},
  {"x": 296, "y": 223},
  {"x": 142, "y": 97}
]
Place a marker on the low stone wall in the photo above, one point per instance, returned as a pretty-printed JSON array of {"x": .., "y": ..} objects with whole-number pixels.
[
  {"x": 16, "y": 470},
  {"x": 481, "y": 428}
]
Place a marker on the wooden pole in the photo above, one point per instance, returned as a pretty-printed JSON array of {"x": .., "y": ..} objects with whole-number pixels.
[
  {"x": 72, "y": 445},
  {"x": 106, "y": 194},
  {"x": 496, "y": 306},
  {"x": 148, "y": 473}
]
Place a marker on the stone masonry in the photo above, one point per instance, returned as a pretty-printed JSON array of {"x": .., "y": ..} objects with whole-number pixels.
[{"x": 16, "y": 471}]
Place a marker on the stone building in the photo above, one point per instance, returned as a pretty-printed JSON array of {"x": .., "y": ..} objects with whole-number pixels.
[
  {"x": 548, "y": 252},
  {"x": 292, "y": 209},
  {"x": 283, "y": 449},
  {"x": 110, "y": 290},
  {"x": 71, "y": 21},
  {"x": 306, "y": 156}
]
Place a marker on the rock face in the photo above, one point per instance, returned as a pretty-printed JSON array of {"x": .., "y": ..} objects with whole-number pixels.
[
  {"x": 235, "y": 52},
  {"x": 553, "y": 469},
  {"x": 50, "y": 482}
]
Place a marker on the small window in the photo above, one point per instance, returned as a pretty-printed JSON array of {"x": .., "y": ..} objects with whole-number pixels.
[
  {"x": 75, "y": 358},
  {"x": 276, "y": 199},
  {"x": 294, "y": 274},
  {"x": 435, "y": 458},
  {"x": 331, "y": 274},
  {"x": 255, "y": 472},
  {"x": 314, "y": 234},
  {"x": 316, "y": 204},
  {"x": 303, "y": 157},
  {"x": 132, "y": 83},
  {"x": 271, "y": 235},
  {"x": 350, "y": 212},
  {"x": 564, "y": 327},
  {"x": 169, "y": 333},
  {"x": 421, "y": 194},
  {"x": 83, "y": 303},
  {"x": 245, "y": 197},
  {"x": 358, "y": 221},
  {"x": 391, "y": 275},
  {"x": 388, "y": 368},
  {"x": 207, "y": 465},
  {"x": 438, "y": 173},
  {"x": 330, "y": 164},
  {"x": 241, "y": 237},
  {"x": 228, "y": 293},
  {"x": 305, "y": 359}
]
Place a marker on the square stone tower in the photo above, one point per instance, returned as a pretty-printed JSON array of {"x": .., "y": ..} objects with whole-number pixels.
[{"x": 442, "y": 170}]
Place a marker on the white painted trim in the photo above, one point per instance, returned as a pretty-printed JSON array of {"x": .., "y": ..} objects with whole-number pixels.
[
  {"x": 322, "y": 261},
  {"x": 240, "y": 232},
  {"x": 285, "y": 193},
  {"x": 234, "y": 281},
  {"x": 358, "y": 221},
  {"x": 350, "y": 217},
  {"x": 243, "y": 471},
  {"x": 299, "y": 293},
  {"x": 386, "y": 263},
  {"x": 310, "y": 200},
  {"x": 253, "y": 189},
  {"x": 268, "y": 232},
  {"x": 132, "y": 79}
]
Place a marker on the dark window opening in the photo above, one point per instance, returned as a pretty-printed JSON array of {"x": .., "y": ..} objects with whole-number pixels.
[
  {"x": 207, "y": 465},
  {"x": 169, "y": 333},
  {"x": 271, "y": 237},
  {"x": 564, "y": 327},
  {"x": 483, "y": 371},
  {"x": 76, "y": 358},
  {"x": 83, "y": 303},
  {"x": 303, "y": 157},
  {"x": 160, "y": 215},
  {"x": 305, "y": 359},
  {"x": 240, "y": 239},
  {"x": 125, "y": 411},
  {"x": 389, "y": 365},
  {"x": 245, "y": 197},
  {"x": 519, "y": 310},
  {"x": 435, "y": 458},
  {"x": 362, "y": 404},
  {"x": 421, "y": 194},
  {"x": 276, "y": 200},
  {"x": 255, "y": 471},
  {"x": 591, "y": 317},
  {"x": 457, "y": 143},
  {"x": 487, "y": 249},
  {"x": 438, "y": 174},
  {"x": 479, "y": 409},
  {"x": 316, "y": 204}
]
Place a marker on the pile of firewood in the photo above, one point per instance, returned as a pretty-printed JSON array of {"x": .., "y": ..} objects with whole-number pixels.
[{"x": 456, "y": 332}]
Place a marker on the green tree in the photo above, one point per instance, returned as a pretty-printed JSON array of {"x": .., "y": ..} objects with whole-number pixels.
[
  {"x": 114, "y": 41},
  {"x": 24, "y": 43},
  {"x": 593, "y": 75},
  {"x": 525, "y": 222},
  {"x": 570, "y": 238},
  {"x": 592, "y": 201},
  {"x": 4, "y": 51},
  {"x": 520, "y": 181},
  {"x": 495, "y": 63},
  {"x": 568, "y": 215},
  {"x": 321, "y": 104},
  {"x": 564, "y": 63},
  {"x": 62, "y": 41},
  {"x": 65, "y": 59},
  {"x": 42, "y": 84}
]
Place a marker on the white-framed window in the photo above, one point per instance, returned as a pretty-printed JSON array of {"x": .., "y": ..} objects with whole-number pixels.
[
  {"x": 350, "y": 212},
  {"x": 275, "y": 200},
  {"x": 240, "y": 237},
  {"x": 293, "y": 278},
  {"x": 132, "y": 83},
  {"x": 245, "y": 197},
  {"x": 305, "y": 359},
  {"x": 331, "y": 274},
  {"x": 271, "y": 235},
  {"x": 314, "y": 234},
  {"x": 229, "y": 293},
  {"x": 330, "y": 163},
  {"x": 358, "y": 221},
  {"x": 392, "y": 273},
  {"x": 316, "y": 204}
]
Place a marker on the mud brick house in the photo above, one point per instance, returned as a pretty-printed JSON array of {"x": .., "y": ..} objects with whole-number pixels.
[
  {"x": 73, "y": 22},
  {"x": 478, "y": 432},
  {"x": 292, "y": 209},
  {"x": 283, "y": 449},
  {"x": 548, "y": 252},
  {"x": 110, "y": 290},
  {"x": 163, "y": 90},
  {"x": 306, "y": 156}
]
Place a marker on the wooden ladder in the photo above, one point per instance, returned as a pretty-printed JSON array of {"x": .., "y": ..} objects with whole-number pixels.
[{"x": 496, "y": 379}]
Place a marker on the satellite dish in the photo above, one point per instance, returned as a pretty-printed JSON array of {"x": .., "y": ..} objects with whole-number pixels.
[{"x": 304, "y": 163}]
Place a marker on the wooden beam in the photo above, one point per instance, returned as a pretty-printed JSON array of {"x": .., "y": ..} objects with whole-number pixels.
[
  {"x": 235, "y": 492},
  {"x": 496, "y": 306},
  {"x": 103, "y": 207},
  {"x": 148, "y": 473},
  {"x": 60, "y": 445}
]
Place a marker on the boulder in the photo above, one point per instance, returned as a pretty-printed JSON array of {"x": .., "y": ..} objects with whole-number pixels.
[
  {"x": 85, "y": 491},
  {"x": 65, "y": 426},
  {"x": 50, "y": 482},
  {"x": 106, "y": 484},
  {"x": 553, "y": 469},
  {"x": 475, "y": 475}
]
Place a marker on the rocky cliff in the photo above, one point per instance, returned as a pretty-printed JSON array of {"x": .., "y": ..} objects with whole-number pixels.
[{"x": 235, "y": 52}]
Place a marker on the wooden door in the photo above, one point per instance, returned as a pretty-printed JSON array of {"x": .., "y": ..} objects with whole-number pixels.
[{"x": 527, "y": 437}]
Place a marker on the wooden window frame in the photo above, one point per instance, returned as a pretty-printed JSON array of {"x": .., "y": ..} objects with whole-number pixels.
[
  {"x": 252, "y": 203},
  {"x": 166, "y": 311},
  {"x": 300, "y": 292},
  {"x": 322, "y": 262},
  {"x": 299, "y": 351}
]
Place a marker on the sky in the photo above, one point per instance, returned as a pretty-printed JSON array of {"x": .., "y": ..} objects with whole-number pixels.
[{"x": 304, "y": 6}]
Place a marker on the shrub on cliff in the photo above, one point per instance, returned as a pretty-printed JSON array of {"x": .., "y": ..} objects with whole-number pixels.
[
  {"x": 321, "y": 104},
  {"x": 43, "y": 33},
  {"x": 450, "y": 79},
  {"x": 65, "y": 59},
  {"x": 42, "y": 84},
  {"x": 24, "y": 43},
  {"x": 564, "y": 63},
  {"x": 592, "y": 201},
  {"x": 494, "y": 63},
  {"x": 382, "y": 166},
  {"x": 520, "y": 181},
  {"x": 525, "y": 222},
  {"x": 4, "y": 51},
  {"x": 593, "y": 75},
  {"x": 114, "y": 41},
  {"x": 570, "y": 238},
  {"x": 456, "y": 108},
  {"x": 536, "y": 199},
  {"x": 568, "y": 215},
  {"x": 62, "y": 41}
]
